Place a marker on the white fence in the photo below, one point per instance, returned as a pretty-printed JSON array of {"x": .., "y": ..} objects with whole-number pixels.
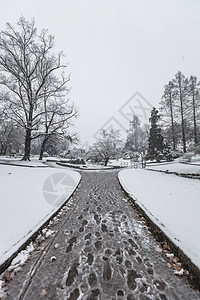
[{"x": 133, "y": 165}]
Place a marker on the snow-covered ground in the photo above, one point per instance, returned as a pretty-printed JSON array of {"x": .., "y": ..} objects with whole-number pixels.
[
  {"x": 29, "y": 196},
  {"x": 87, "y": 166},
  {"x": 171, "y": 202},
  {"x": 35, "y": 162},
  {"x": 176, "y": 167}
]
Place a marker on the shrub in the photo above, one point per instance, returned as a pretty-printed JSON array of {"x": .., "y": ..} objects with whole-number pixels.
[
  {"x": 197, "y": 149},
  {"x": 77, "y": 161},
  {"x": 187, "y": 157}
]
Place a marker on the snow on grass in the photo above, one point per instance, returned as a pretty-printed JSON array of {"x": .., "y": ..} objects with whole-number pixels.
[
  {"x": 171, "y": 202},
  {"x": 35, "y": 162},
  {"x": 176, "y": 167},
  {"x": 87, "y": 166},
  {"x": 29, "y": 196}
]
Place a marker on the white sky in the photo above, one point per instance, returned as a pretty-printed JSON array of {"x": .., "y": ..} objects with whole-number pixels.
[{"x": 116, "y": 48}]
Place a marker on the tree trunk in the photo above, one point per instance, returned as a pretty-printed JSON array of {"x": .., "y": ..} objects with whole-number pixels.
[
  {"x": 44, "y": 142},
  {"x": 194, "y": 119},
  {"x": 172, "y": 123},
  {"x": 106, "y": 161},
  {"x": 27, "y": 150},
  {"x": 182, "y": 115},
  {"x": 1, "y": 151},
  {"x": 5, "y": 148},
  {"x": 183, "y": 126}
]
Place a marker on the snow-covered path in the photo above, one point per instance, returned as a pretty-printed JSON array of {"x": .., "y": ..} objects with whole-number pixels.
[
  {"x": 29, "y": 196},
  {"x": 171, "y": 202},
  {"x": 101, "y": 250}
]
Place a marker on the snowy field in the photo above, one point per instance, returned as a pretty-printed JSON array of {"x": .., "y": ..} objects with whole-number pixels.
[
  {"x": 29, "y": 196},
  {"x": 171, "y": 202}
]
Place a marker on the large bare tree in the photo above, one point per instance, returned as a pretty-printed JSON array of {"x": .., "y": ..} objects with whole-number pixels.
[
  {"x": 29, "y": 73},
  {"x": 180, "y": 83}
]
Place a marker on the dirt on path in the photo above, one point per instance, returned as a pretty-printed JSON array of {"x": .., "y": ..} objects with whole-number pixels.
[{"x": 101, "y": 250}]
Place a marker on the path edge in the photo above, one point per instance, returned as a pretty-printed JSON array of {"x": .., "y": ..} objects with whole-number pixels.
[
  {"x": 160, "y": 236},
  {"x": 32, "y": 238}
]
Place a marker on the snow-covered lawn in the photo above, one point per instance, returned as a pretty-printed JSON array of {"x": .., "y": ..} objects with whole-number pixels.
[
  {"x": 175, "y": 167},
  {"x": 35, "y": 162},
  {"x": 29, "y": 196},
  {"x": 172, "y": 202},
  {"x": 87, "y": 166}
]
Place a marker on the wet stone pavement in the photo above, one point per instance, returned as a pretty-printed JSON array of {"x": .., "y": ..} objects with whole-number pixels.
[{"x": 100, "y": 250}]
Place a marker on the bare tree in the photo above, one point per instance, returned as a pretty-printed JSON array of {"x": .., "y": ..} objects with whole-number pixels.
[
  {"x": 168, "y": 106},
  {"x": 137, "y": 137},
  {"x": 29, "y": 72},
  {"x": 107, "y": 145},
  {"x": 134, "y": 130},
  {"x": 56, "y": 118},
  {"x": 180, "y": 83}
]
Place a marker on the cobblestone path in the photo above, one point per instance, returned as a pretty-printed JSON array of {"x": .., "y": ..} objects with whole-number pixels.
[{"x": 101, "y": 250}]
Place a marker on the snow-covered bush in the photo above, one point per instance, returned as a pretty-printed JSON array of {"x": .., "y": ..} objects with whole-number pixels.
[
  {"x": 159, "y": 157},
  {"x": 197, "y": 149},
  {"x": 45, "y": 154},
  {"x": 187, "y": 157},
  {"x": 196, "y": 158},
  {"x": 76, "y": 161},
  {"x": 176, "y": 154}
]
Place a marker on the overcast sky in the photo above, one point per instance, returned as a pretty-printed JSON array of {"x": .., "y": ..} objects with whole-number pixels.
[{"x": 116, "y": 48}]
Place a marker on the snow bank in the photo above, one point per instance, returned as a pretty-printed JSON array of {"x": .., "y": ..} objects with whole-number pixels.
[
  {"x": 171, "y": 202},
  {"x": 29, "y": 196}
]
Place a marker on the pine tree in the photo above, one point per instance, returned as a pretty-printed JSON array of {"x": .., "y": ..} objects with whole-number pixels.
[{"x": 156, "y": 145}]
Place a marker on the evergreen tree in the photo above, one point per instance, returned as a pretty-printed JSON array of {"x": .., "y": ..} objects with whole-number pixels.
[{"x": 156, "y": 145}]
